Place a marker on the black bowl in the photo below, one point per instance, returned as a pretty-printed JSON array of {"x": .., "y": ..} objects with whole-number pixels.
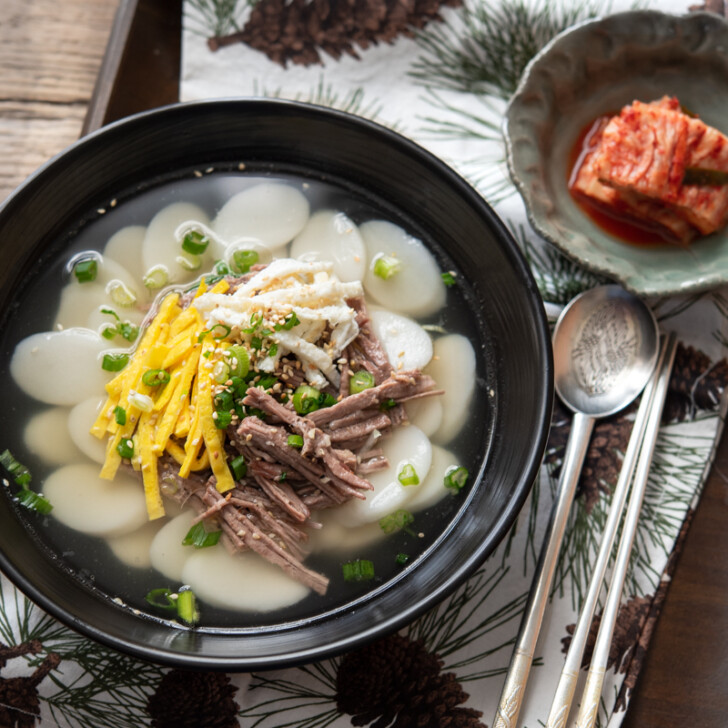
[{"x": 413, "y": 188}]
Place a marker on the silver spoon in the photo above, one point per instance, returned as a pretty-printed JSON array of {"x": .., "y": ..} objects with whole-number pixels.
[{"x": 605, "y": 347}]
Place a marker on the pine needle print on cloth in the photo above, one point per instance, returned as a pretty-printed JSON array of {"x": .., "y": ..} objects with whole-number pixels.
[{"x": 440, "y": 73}]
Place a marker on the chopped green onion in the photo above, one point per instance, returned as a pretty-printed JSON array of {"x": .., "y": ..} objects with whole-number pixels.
[
  {"x": 120, "y": 415},
  {"x": 703, "y": 177},
  {"x": 456, "y": 478},
  {"x": 224, "y": 400},
  {"x": 326, "y": 400},
  {"x": 408, "y": 475},
  {"x": 256, "y": 343},
  {"x": 273, "y": 349},
  {"x": 121, "y": 294},
  {"x": 306, "y": 399},
  {"x": 359, "y": 570},
  {"x": 156, "y": 277},
  {"x": 402, "y": 559},
  {"x": 239, "y": 360},
  {"x": 218, "y": 331},
  {"x": 244, "y": 259},
  {"x": 256, "y": 319},
  {"x": 162, "y": 598},
  {"x": 221, "y": 372},
  {"x": 20, "y": 473},
  {"x": 141, "y": 401},
  {"x": 200, "y": 538},
  {"x": 189, "y": 262},
  {"x": 221, "y": 268},
  {"x": 295, "y": 441},
  {"x": 187, "y": 607},
  {"x": 155, "y": 377},
  {"x": 385, "y": 266},
  {"x": 126, "y": 449},
  {"x": 128, "y": 331},
  {"x": 282, "y": 476},
  {"x": 86, "y": 270},
  {"x": 222, "y": 419},
  {"x": 195, "y": 243},
  {"x": 397, "y": 521},
  {"x": 267, "y": 382},
  {"x": 360, "y": 381},
  {"x": 125, "y": 329},
  {"x": 288, "y": 323},
  {"x": 34, "y": 502},
  {"x": 387, "y": 404},
  {"x": 239, "y": 467},
  {"x": 114, "y": 362},
  {"x": 448, "y": 278}
]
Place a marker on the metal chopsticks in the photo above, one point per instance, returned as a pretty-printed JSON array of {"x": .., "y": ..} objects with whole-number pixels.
[
  {"x": 595, "y": 677},
  {"x": 651, "y": 401}
]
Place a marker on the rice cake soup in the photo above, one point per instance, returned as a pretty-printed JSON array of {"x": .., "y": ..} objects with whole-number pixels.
[{"x": 247, "y": 399}]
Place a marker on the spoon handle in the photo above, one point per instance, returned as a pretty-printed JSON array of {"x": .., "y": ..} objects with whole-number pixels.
[
  {"x": 589, "y": 707},
  {"x": 566, "y": 687},
  {"x": 509, "y": 705}
]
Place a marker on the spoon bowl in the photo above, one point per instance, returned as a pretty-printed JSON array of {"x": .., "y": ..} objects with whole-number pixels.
[{"x": 605, "y": 347}]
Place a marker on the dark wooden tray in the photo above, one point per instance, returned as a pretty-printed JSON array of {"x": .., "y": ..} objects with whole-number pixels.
[
  {"x": 683, "y": 678},
  {"x": 140, "y": 69}
]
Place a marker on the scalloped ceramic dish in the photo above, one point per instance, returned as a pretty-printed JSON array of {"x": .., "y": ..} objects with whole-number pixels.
[{"x": 596, "y": 68}]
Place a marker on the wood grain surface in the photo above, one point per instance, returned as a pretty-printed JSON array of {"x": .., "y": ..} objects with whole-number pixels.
[{"x": 51, "y": 53}]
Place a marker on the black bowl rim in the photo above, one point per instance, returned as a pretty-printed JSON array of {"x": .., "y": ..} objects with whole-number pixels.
[{"x": 529, "y": 470}]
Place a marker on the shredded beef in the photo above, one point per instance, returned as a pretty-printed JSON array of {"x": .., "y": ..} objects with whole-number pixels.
[{"x": 269, "y": 510}]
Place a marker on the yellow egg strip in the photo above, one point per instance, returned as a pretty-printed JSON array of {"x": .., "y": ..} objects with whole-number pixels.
[
  {"x": 213, "y": 437},
  {"x": 150, "y": 473},
  {"x": 182, "y": 409},
  {"x": 177, "y": 401}
]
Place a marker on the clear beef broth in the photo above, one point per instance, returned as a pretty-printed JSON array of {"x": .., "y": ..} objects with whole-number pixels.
[{"x": 90, "y": 558}]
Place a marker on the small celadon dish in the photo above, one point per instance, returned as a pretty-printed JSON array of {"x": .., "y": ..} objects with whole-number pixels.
[{"x": 593, "y": 69}]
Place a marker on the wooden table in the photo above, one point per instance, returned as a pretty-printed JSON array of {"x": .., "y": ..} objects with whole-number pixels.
[{"x": 51, "y": 54}]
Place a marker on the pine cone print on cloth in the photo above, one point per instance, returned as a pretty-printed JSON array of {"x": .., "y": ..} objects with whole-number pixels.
[
  {"x": 630, "y": 620},
  {"x": 296, "y": 31},
  {"x": 696, "y": 384},
  {"x": 397, "y": 683},
  {"x": 186, "y": 699},
  {"x": 604, "y": 456},
  {"x": 19, "y": 702}
]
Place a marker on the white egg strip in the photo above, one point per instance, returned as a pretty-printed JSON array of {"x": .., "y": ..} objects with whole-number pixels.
[
  {"x": 407, "y": 344},
  {"x": 79, "y": 422},
  {"x": 85, "y": 502},
  {"x": 453, "y": 368},
  {"x": 61, "y": 367},
  {"x": 405, "y": 446},
  {"x": 242, "y": 582},
  {"x": 46, "y": 436},
  {"x": 273, "y": 213},
  {"x": 417, "y": 289},
  {"x": 432, "y": 489},
  {"x": 331, "y": 235},
  {"x": 167, "y": 554}
]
